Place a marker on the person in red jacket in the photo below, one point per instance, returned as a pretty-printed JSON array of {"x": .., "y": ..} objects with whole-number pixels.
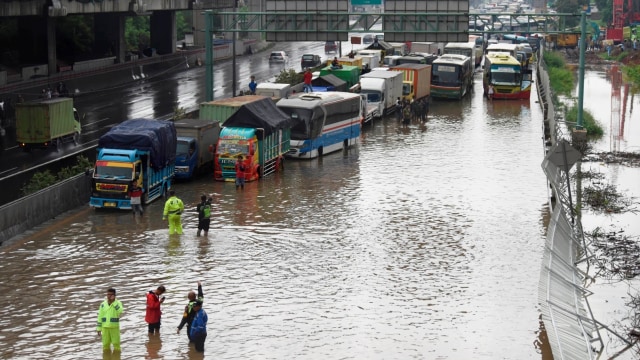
[
  {"x": 307, "y": 81},
  {"x": 154, "y": 300}
]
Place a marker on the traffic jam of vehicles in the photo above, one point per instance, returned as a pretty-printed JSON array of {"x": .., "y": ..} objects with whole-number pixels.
[{"x": 275, "y": 121}]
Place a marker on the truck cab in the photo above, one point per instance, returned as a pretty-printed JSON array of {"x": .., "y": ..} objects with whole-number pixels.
[
  {"x": 186, "y": 157},
  {"x": 234, "y": 142}
]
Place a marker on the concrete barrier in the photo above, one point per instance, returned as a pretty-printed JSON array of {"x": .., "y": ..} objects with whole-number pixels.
[
  {"x": 94, "y": 64},
  {"x": 25, "y": 213}
]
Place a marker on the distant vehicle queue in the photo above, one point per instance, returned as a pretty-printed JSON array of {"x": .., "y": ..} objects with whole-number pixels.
[{"x": 250, "y": 136}]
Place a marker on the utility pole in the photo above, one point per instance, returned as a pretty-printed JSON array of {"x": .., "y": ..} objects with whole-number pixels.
[
  {"x": 208, "y": 47},
  {"x": 583, "y": 49},
  {"x": 235, "y": 22}
]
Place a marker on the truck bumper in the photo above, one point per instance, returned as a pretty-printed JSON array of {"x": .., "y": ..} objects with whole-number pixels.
[
  {"x": 183, "y": 172},
  {"x": 110, "y": 203}
]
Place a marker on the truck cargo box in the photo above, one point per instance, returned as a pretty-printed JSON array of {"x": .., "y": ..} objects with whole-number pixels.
[{"x": 156, "y": 136}]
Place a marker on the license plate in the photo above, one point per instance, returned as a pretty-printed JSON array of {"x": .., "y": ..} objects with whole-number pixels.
[{"x": 109, "y": 204}]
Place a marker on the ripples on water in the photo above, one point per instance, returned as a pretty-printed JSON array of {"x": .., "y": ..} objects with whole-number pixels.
[{"x": 422, "y": 243}]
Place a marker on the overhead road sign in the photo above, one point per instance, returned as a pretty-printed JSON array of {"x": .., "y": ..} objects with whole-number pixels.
[
  {"x": 366, "y": 2},
  {"x": 307, "y": 20}
]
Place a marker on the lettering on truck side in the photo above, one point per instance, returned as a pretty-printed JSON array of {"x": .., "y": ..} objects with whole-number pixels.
[{"x": 111, "y": 187}]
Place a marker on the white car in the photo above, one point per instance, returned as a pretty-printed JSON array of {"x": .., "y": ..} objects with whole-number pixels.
[{"x": 278, "y": 57}]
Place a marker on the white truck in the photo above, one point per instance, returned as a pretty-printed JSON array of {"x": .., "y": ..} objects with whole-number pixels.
[
  {"x": 373, "y": 57},
  {"x": 276, "y": 91},
  {"x": 382, "y": 88}
]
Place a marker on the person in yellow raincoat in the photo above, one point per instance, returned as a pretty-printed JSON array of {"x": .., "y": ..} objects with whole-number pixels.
[
  {"x": 109, "y": 321},
  {"x": 173, "y": 209}
]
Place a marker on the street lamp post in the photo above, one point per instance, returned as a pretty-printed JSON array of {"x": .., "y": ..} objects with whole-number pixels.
[{"x": 233, "y": 77}]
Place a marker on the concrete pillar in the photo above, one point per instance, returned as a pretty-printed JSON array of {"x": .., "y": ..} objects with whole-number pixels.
[
  {"x": 52, "y": 53},
  {"x": 163, "y": 32},
  {"x": 109, "y": 35}
]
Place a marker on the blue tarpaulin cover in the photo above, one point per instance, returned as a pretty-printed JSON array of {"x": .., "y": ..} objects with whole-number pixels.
[{"x": 158, "y": 137}]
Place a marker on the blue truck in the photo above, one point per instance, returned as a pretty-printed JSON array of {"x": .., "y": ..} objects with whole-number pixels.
[
  {"x": 194, "y": 152},
  {"x": 136, "y": 151}
]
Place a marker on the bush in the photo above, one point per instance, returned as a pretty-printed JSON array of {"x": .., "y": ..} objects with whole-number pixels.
[
  {"x": 290, "y": 77},
  {"x": 588, "y": 122},
  {"x": 561, "y": 78},
  {"x": 41, "y": 180}
]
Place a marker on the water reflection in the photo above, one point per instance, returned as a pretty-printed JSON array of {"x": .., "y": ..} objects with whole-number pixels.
[{"x": 426, "y": 235}]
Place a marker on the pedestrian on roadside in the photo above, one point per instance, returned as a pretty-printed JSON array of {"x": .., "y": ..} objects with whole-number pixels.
[
  {"x": 109, "y": 321},
  {"x": 189, "y": 312},
  {"x": 135, "y": 197},
  {"x": 204, "y": 215},
  {"x": 425, "y": 109},
  {"x": 253, "y": 85},
  {"x": 307, "y": 77},
  {"x": 199, "y": 326},
  {"x": 399, "y": 109},
  {"x": 173, "y": 209},
  {"x": 415, "y": 109},
  {"x": 240, "y": 169},
  {"x": 490, "y": 92},
  {"x": 406, "y": 115},
  {"x": 154, "y": 314}
]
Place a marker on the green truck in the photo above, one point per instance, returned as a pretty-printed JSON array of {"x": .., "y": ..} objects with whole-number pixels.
[
  {"x": 47, "y": 123},
  {"x": 350, "y": 74},
  {"x": 222, "y": 109}
]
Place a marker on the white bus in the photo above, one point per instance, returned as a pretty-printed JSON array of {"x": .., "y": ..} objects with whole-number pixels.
[
  {"x": 324, "y": 122},
  {"x": 468, "y": 49}
]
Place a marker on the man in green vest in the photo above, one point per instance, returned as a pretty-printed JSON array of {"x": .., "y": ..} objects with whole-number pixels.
[
  {"x": 204, "y": 215},
  {"x": 173, "y": 209},
  {"x": 109, "y": 321}
]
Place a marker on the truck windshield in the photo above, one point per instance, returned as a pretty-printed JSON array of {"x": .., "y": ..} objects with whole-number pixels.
[
  {"x": 372, "y": 97},
  {"x": 302, "y": 120},
  {"x": 182, "y": 147},
  {"x": 106, "y": 170},
  {"x": 233, "y": 147}
]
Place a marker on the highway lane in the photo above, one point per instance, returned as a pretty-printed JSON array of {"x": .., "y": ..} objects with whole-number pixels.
[{"x": 149, "y": 97}]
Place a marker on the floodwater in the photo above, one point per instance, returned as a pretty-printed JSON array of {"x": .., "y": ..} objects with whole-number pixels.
[{"x": 420, "y": 243}]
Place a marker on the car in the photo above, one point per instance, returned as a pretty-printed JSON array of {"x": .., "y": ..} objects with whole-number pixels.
[
  {"x": 310, "y": 61},
  {"x": 278, "y": 57},
  {"x": 330, "y": 47},
  {"x": 367, "y": 39}
]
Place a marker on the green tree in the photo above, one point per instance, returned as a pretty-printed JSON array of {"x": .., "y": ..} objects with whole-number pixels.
[
  {"x": 75, "y": 36},
  {"x": 569, "y": 7},
  {"x": 137, "y": 33},
  {"x": 290, "y": 77}
]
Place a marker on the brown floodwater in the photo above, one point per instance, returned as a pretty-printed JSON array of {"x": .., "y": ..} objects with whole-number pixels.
[{"x": 420, "y": 243}]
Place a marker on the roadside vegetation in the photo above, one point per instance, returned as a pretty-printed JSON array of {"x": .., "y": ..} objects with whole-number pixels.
[
  {"x": 562, "y": 83},
  {"x": 44, "y": 179},
  {"x": 614, "y": 253}
]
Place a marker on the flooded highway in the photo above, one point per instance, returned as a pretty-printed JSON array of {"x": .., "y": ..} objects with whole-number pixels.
[{"x": 420, "y": 243}]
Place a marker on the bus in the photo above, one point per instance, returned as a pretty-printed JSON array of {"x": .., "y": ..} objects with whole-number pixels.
[
  {"x": 505, "y": 74},
  {"x": 515, "y": 50},
  {"x": 451, "y": 76},
  {"x": 467, "y": 49},
  {"x": 324, "y": 122}
]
